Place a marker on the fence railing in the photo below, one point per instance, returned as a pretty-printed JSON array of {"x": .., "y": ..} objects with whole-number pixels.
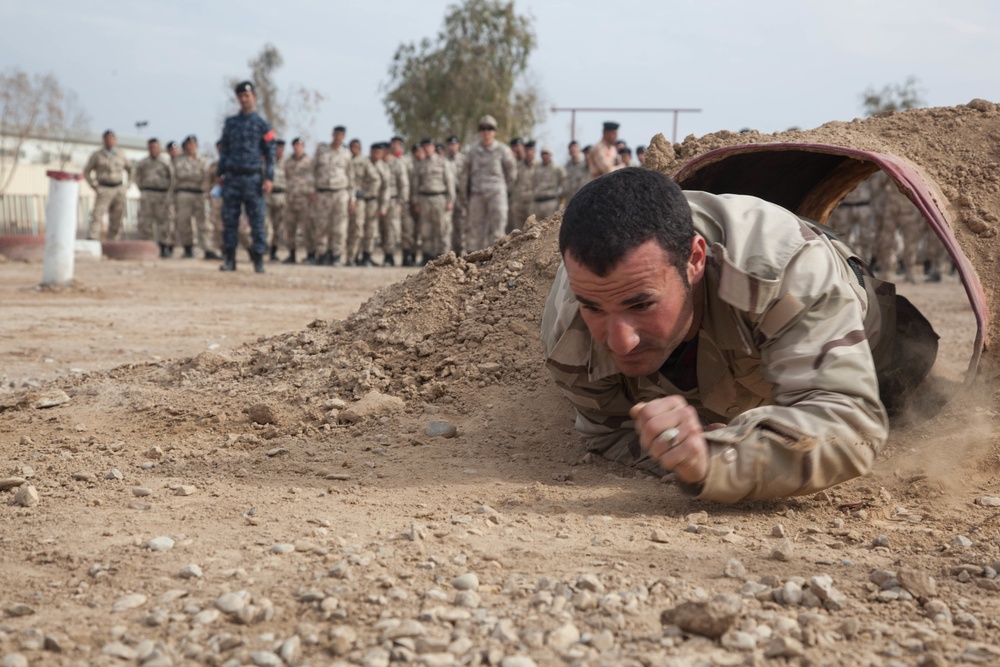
[{"x": 24, "y": 215}]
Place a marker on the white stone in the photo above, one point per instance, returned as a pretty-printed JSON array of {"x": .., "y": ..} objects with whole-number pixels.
[
  {"x": 466, "y": 582},
  {"x": 133, "y": 601},
  {"x": 162, "y": 543},
  {"x": 191, "y": 571},
  {"x": 232, "y": 603},
  {"x": 560, "y": 639},
  {"x": 284, "y": 548}
]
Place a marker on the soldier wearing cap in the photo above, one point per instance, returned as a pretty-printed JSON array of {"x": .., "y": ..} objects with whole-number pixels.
[
  {"x": 399, "y": 192},
  {"x": 154, "y": 176},
  {"x": 522, "y": 199},
  {"x": 374, "y": 199},
  {"x": 301, "y": 199},
  {"x": 487, "y": 176},
  {"x": 356, "y": 220},
  {"x": 577, "y": 173},
  {"x": 625, "y": 155},
  {"x": 549, "y": 184},
  {"x": 276, "y": 202},
  {"x": 410, "y": 238},
  {"x": 456, "y": 158},
  {"x": 603, "y": 156},
  {"x": 640, "y": 155},
  {"x": 517, "y": 148},
  {"x": 192, "y": 185},
  {"x": 335, "y": 199},
  {"x": 104, "y": 173},
  {"x": 435, "y": 188},
  {"x": 247, "y": 140}
]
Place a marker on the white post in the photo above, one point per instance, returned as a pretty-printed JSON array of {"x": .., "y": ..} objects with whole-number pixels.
[{"x": 60, "y": 227}]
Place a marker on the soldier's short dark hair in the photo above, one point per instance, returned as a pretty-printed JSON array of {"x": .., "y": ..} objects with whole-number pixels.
[
  {"x": 339, "y": 128},
  {"x": 297, "y": 140},
  {"x": 625, "y": 150},
  {"x": 189, "y": 138},
  {"x": 640, "y": 149},
  {"x": 530, "y": 144},
  {"x": 614, "y": 214},
  {"x": 572, "y": 143},
  {"x": 152, "y": 140},
  {"x": 427, "y": 140},
  {"x": 516, "y": 141},
  {"x": 108, "y": 133},
  {"x": 279, "y": 142},
  {"x": 354, "y": 141}
]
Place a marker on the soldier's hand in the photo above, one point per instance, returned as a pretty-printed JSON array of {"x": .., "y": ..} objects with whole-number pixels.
[
  {"x": 669, "y": 429},
  {"x": 352, "y": 207},
  {"x": 449, "y": 207},
  {"x": 267, "y": 186}
]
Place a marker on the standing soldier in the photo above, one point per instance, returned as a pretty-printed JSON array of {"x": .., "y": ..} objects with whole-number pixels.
[
  {"x": 399, "y": 191},
  {"x": 247, "y": 140},
  {"x": 301, "y": 196},
  {"x": 356, "y": 221},
  {"x": 603, "y": 156},
  {"x": 576, "y": 171},
  {"x": 625, "y": 155},
  {"x": 893, "y": 211},
  {"x": 104, "y": 174},
  {"x": 215, "y": 204},
  {"x": 154, "y": 176},
  {"x": 549, "y": 183},
  {"x": 335, "y": 198},
  {"x": 852, "y": 220},
  {"x": 457, "y": 159},
  {"x": 411, "y": 223},
  {"x": 523, "y": 198},
  {"x": 372, "y": 203},
  {"x": 191, "y": 186},
  {"x": 488, "y": 174},
  {"x": 436, "y": 198},
  {"x": 640, "y": 155},
  {"x": 276, "y": 209},
  {"x": 517, "y": 148}
]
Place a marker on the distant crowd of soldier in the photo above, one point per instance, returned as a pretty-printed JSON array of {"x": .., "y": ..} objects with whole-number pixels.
[
  {"x": 339, "y": 206},
  {"x": 885, "y": 229}
]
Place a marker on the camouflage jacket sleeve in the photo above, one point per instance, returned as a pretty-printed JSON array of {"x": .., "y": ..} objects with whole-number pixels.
[
  {"x": 509, "y": 169},
  {"x": 88, "y": 170},
  {"x": 449, "y": 182},
  {"x": 790, "y": 355}
]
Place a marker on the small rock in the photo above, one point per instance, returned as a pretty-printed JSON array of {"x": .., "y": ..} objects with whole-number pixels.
[
  {"x": 823, "y": 588},
  {"x": 961, "y": 541},
  {"x": 791, "y": 593},
  {"x": 783, "y": 550},
  {"x": 590, "y": 582},
  {"x": 735, "y": 569},
  {"x": 560, "y": 639},
  {"x": 920, "y": 584},
  {"x": 141, "y": 492},
  {"x": 734, "y": 640},
  {"x": 84, "y": 477},
  {"x": 276, "y": 451},
  {"x": 18, "y": 610},
  {"x": 133, "y": 601},
  {"x": 185, "y": 490},
  {"x": 191, "y": 571},
  {"x": 661, "y": 536},
  {"x": 45, "y": 399},
  {"x": 517, "y": 661},
  {"x": 266, "y": 659},
  {"x": 119, "y": 650},
  {"x": 26, "y": 496},
  {"x": 283, "y": 548},
  {"x": 784, "y": 647},
  {"x": 440, "y": 429},
  {"x": 466, "y": 582},
  {"x": 162, "y": 543},
  {"x": 232, "y": 603},
  {"x": 206, "y": 617},
  {"x": 372, "y": 404},
  {"x": 710, "y": 618},
  {"x": 467, "y": 599},
  {"x": 114, "y": 474},
  {"x": 11, "y": 482},
  {"x": 14, "y": 660},
  {"x": 155, "y": 453},
  {"x": 289, "y": 651},
  {"x": 988, "y": 501},
  {"x": 262, "y": 413},
  {"x": 881, "y": 541}
]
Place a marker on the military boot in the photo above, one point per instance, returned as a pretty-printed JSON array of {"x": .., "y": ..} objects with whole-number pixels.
[
  {"x": 389, "y": 260},
  {"x": 274, "y": 253},
  {"x": 211, "y": 254},
  {"x": 230, "y": 262},
  {"x": 426, "y": 260},
  {"x": 258, "y": 261},
  {"x": 409, "y": 258},
  {"x": 366, "y": 260},
  {"x": 163, "y": 251},
  {"x": 291, "y": 257},
  {"x": 311, "y": 259},
  {"x": 335, "y": 260},
  {"x": 188, "y": 252}
]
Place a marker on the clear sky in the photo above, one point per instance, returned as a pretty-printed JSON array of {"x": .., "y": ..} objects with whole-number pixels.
[{"x": 762, "y": 64}]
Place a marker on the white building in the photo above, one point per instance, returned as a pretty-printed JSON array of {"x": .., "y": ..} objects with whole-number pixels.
[{"x": 22, "y": 205}]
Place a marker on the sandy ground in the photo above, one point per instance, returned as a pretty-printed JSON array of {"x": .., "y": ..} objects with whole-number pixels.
[{"x": 375, "y": 541}]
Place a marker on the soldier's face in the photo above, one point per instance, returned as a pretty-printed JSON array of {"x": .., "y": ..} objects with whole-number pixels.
[
  {"x": 279, "y": 151},
  {"x": 518, "y": 151},
  {"x": 454, "y": 148},
  {"x": 338, "y": 138},
  {"x": 154, "y": 150},
  {"x": 574, "y": 151},
  {"x": 247, "y": 101},
  {"x": 109, "y": 141},
  {"x": 299, "y": 149},
  {"x": 355, "y": 148},
  {"x": 191, "y": 148},
  {"x": 546, "y": 158},
  {"x": 644, "y": 308}
]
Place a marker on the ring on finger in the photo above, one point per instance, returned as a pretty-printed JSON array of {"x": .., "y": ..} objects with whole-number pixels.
[{"x": 669, "y": 436}]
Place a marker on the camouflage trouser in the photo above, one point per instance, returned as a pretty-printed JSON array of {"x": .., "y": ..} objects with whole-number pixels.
[
  {"x": 545, "y": 208},
  {"x": 409, "y": 228},
  {"x": 243, "y": 192},
  {"x": 371, "y": 226},
  {"x": 355, "y": 225},
  {"x": 300, "y": 218},
  {"x": 110, "y": 200},
  {"x": 332, "y": 212},
  {"x": 520, "y": 209},
  {"x": 435, "y": 225},
  {"x": 276, "y": 218},
  {"x": 486, "y": 218},
  {"x": 389, "y": 226},
  {"x": 215, "y": 218},
  {"x": 854, "y": 225},
  {"x": 154, "y": 216},
  {"x": 458, "y": 215},
  {"x": 936, "y": 255},
  {"x": 911, "y": 227},
  {"x": 191, "y": 216}
]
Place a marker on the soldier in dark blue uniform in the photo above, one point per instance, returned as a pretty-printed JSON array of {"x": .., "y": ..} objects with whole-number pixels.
[{"x": 246, "y": 169}]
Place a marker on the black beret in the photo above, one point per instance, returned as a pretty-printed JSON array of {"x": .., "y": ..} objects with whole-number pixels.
[
  {"x": 109, "y": 133},
  {"x": 516, "y": 141},
  {"x": 529, "y": 144},
  {"x": 244, "y": 87},
  {"x": 640, "y": 149},
  {"x": 296, "y": 140},
  {"x": 397, "y": 138},
  {"x": 439, "y": 147},
  {"x": 625, "y": 150},
  {"x": 152, "y": 140},
  {"x": 573, "y": 143},
  {"x": 427, "y": 140},
  {"x": 188, "y": 138},
  {"x": 452, "y": 139},
  {"x": 339, "y": 128},
  {"x": 171, "y": 144},
  {"x": 610, "y": 125},
  {"x": 279, "y": 142}
]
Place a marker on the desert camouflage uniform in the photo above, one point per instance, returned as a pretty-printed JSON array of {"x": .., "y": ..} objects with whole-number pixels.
[
  {"x": 409, "y": 232},
  {"x": 334, "y": 193},
  {"x": 549, "y": 183},
  {"x": 104, "y": 174},
  {"x": 214, "y": 206},
  {"x": 435, "y": 188},
  {"x": 399, "y": 193},
  {"x": 784, "y": 357},
  {"x": 523, "y": 196},
  {"x": 301, "y": 189},
  {"x": 852, "y": 220},
  {"x": 155, "y": 179},
  {"x": 602, "y": 158},
  {"x": 372, "y": 198},
  {"x": 487, "y": 177},
  {"x": 190, "y": 186},
  {"x": 577, "y": 175},
  {"x": 895, "y": 212},
  {"x": 458, "y": 213},
  {"x": 277, "y": 207},
  {"x": 356, "y": 220}
]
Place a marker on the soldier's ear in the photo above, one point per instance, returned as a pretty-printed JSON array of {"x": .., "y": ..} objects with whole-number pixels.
[{"x": 696, "y": 262}]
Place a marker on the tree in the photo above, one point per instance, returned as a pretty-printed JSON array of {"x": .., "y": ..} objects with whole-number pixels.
[
  {"x": 892, "y": 97},
  {"x": 476, "y": 65},
  {"x": 32, "y": 105},
  {"x": 299, "y": 103}
]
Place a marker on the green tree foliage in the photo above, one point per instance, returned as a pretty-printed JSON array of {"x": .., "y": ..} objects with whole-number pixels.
[
  {"x": 892, "y": 97},
  {"x": 476, "y": 65}
]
